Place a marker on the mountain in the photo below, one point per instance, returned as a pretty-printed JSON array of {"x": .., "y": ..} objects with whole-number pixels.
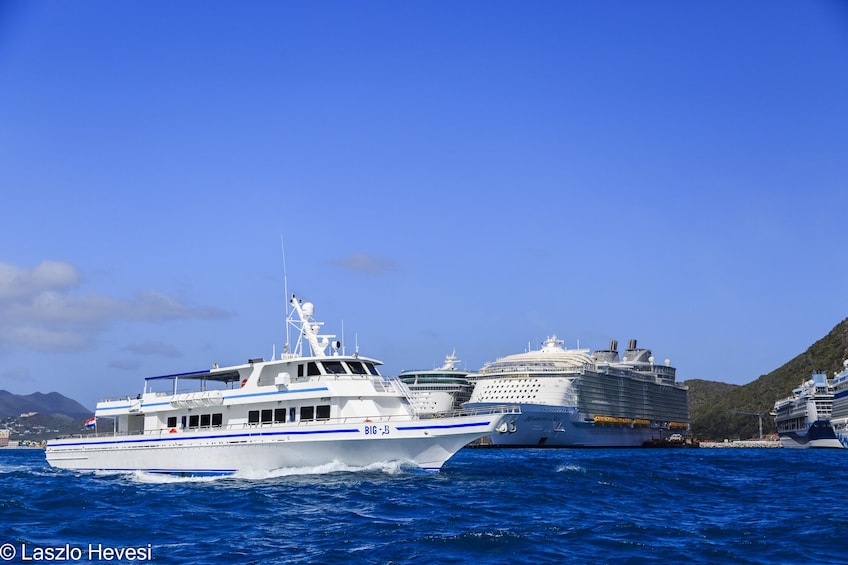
[
  {"x": 715, "y": 407},
  {"x": 53, "y": 404}
]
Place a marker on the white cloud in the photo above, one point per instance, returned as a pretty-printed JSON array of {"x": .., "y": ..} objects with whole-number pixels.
[
  {"x": 45, "y": 339},
  {"x": 18, "y": 284},
  {"x": 41, "y": 310}
]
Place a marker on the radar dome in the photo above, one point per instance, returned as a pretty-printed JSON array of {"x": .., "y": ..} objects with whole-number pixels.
[{"x": 308, "y": 308}]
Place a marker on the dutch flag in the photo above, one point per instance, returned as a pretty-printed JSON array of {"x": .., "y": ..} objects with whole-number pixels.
[{"x": 91, "y": 423}]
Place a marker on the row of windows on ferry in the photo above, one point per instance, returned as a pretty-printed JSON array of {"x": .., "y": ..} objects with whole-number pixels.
[{"x": 266, "y": 416}]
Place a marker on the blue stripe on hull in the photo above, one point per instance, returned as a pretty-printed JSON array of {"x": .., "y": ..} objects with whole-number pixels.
[{"x": 195, "y": 438}]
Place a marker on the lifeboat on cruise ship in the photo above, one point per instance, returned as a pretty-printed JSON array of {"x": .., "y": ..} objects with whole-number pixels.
[{"x": 612, "y": 420}]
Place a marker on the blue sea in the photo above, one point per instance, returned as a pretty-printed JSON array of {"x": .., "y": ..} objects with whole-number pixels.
[{"x": 486, "y": 506}]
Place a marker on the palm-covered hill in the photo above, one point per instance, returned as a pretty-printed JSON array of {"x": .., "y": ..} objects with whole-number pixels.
[{"x": 713, "y": 405}]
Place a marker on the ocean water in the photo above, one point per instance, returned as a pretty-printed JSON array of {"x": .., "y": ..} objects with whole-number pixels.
[{"x": 617, "y": 506}]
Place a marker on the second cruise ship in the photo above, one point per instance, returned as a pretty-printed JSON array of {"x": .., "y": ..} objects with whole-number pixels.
[{"x": 574, "y": 398}]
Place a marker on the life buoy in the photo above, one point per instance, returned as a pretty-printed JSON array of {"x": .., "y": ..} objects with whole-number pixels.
[
  {"x": 243, "y": 382},
  {"x": 366, "y": 420},
  {"x": 173, "y": 431}
]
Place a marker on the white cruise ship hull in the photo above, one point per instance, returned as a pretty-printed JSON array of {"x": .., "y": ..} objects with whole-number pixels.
[
  {"x": 819, "y": 435},
  {"x": 425, "y": 443}
]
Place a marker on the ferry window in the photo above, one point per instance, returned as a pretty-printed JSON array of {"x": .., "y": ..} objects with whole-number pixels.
[
  {"x": 323, "y": 412},
  {"x": 205, "y": 420},
  {"x": 217, "y": 420},
  {"x": 307, "y": 413},
  {"x": 372, "y": 369},
  {"x": 172, "y": 422},
  {"x": 356, "y": 367},
  {"x": 334, "y": 367},
  {"x": 253, "y": 417},
  {"x": 266, "y": 415},
  {"x": 300, "y": 370},
  {"x": 312, "y": 369},
  {"x": 193, "y": 421},
  {"x": 183, "y": 422},
  {"x": 280, "y": 415},
  {"x": 292, "y": 414}
]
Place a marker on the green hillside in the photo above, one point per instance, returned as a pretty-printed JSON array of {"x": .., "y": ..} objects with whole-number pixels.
[{"x": 711, "y": 404}]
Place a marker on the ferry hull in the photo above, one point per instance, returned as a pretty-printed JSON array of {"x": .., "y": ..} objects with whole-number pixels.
[
  {"x": 425, "y": 443},
  {"x": 820, "y": 434}
]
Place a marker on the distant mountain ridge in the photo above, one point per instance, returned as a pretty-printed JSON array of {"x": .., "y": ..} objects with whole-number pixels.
[
  {"x": 53, "y": 404},
  {"x": 714, "y": 407}
]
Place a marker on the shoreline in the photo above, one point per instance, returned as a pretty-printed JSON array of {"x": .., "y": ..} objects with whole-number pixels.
[{"x": 742, "y": 443}]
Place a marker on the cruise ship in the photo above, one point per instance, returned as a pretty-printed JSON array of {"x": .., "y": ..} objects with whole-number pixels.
[
  {"x": 438, "y": 390},
  {"x": 574, "y": 398},
  {"x": 803, "y": 418},
  {"x": 300, "y": 410},
  {"x": 839, "y": 414}
]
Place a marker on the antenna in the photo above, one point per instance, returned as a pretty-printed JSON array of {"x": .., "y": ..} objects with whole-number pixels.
[{"x": 286, "y": 291}]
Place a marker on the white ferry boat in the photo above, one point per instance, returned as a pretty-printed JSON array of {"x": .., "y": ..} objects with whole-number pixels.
[
  {"x": 438, "y": 390},
  {"x": 296, "y": 411},
  {"x": 839, "y": 414},
  {"x": 571, "y": 398},
  {"x": 803, "y": 418}
]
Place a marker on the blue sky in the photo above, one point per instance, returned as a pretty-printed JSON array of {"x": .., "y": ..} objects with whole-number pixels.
[{"x": 469, "y": 175}]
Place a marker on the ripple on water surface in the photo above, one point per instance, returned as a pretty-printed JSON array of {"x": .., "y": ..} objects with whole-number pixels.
[{"x": 486, "y": 506}]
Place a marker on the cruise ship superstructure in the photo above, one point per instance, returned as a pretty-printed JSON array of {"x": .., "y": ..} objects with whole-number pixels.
[
  {"x": 300, "y": 410},
  {"x": 438, "y": 390},
  {"x": 574, "y": 398},
  {"x": 803, "y": 418}
]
